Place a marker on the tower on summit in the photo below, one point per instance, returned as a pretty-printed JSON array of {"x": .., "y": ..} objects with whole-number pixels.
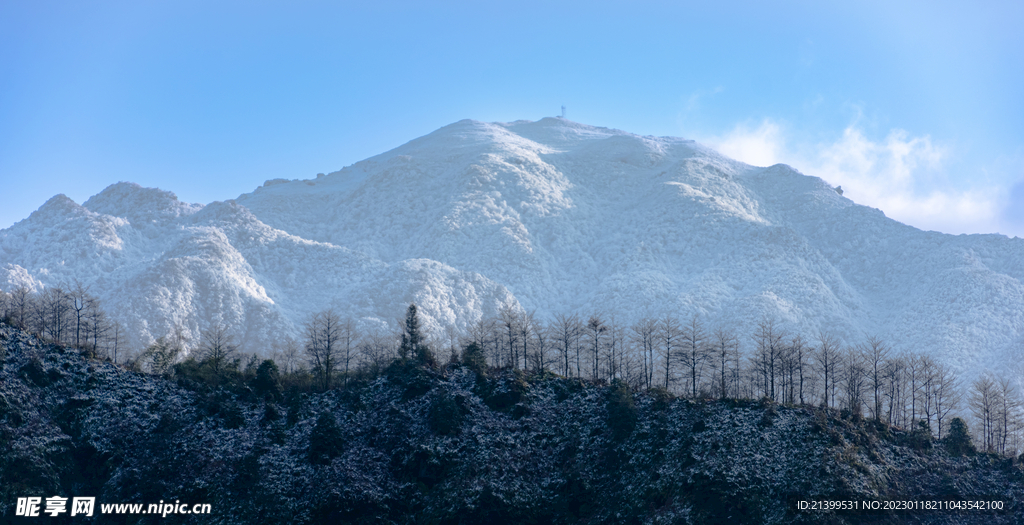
[{"x": 563, "y": 111}]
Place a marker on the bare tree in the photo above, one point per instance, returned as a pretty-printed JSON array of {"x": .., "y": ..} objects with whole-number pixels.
[
  {"x": 827, "y": 365},
  {"x": 798, "y": 356},
  {"x": 116, "y": 339},
  {"x": 217, "y": 348},
  {"x": 853, "y": 378},
  {"x": 323, "y": 334},
  {"x": 596, "y": 330},
  {"x": 347, "y": 339},
  {"x": 920, "y": 376},
  {"x": 288, "y": 353},
  {"x": 527, "y": 325},
  {"x": 725, "y": 347},
  {"x": 5, "y": 306},
  {"x": 567, "y": 335},
  {"x": 768, "y": 339},
  {"x": 179, "y": 336},
  {"x": 82, "y": 302},
  {"x": 984, "y": 402},
  {"x": 874, "y": 354},
  {"x": 947, "y": 395},
  {"x": 1008, "y": 412},
  {"x": 893, "y": 375},
  {"x": 486, "y": 335},
  {"x": 377, "y": 348},
  {"x": 541, "y": 346},
  {"x": 645, "y": 337},
  {"x": 668, "y": 335},
  {"x": 97, "y": 329},
  {"x": 21, "y": 307},
  {"x": 451, "y": 336},
  {"x": 53, "y": 314},
  {"x": 509, "y": 317},
  {"x": 614, "y": 348},
  {"x": 694, "y": 352}
]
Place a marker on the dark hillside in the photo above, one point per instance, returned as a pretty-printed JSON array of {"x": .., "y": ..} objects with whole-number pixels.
[{"x": 419, "y": 445}]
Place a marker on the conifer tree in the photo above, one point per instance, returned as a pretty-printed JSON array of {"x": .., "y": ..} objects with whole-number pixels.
[
  {"x": 267, "y": 380},
  {"x": 412, "y": 341},
  {"x": 958, "y": 440},
  {"x": 325, "y": 441},
  {"x": 473, "y": 358}
]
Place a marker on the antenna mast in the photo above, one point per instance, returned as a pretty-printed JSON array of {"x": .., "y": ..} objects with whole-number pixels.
[{"x": 563, "y": 111}]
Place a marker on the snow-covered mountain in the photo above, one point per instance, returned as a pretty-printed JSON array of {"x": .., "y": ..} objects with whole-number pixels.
[{"x": 553, "y": 215}]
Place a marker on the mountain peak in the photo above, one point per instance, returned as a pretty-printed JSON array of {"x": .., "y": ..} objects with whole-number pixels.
[
  {"x": 556, "y": 216},
  {"x": 135, "y": 202}
]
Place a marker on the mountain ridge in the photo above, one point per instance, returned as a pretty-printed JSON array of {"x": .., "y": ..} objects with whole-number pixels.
[{"x": 553, "y": 216}]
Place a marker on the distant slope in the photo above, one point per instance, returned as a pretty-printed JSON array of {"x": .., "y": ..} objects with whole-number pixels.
[{"x": 555, "y": 215}]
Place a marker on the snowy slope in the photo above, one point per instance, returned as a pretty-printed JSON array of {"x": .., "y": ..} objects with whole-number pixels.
[
  {"x": 162, "y": 263},
  {"x": 555, "y": 215}
]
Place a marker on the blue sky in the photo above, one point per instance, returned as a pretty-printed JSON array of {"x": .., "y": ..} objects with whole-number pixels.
[{"x": 913, "y": 107}]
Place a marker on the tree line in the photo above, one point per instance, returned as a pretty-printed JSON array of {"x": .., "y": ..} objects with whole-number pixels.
[
  {"x": 67, "y": 315},
  {"x": 871, "y": 379},
  {"x": 686, "y": 357}
]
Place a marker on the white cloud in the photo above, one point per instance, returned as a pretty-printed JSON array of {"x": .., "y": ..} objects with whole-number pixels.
[
  {"x": 900, "y": 174},
  {"x": 763, "y": 146},
  {"x": 897, "y": 175}
]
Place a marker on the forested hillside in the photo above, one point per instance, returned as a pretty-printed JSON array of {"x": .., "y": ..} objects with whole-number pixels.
[{"x": 420, "y": 441}]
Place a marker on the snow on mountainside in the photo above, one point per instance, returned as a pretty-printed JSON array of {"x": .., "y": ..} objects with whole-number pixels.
[{"x": 555, "y": 215}]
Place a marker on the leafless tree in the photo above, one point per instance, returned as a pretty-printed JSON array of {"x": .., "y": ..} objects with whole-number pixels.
[
  {"x": 451, "y": 338},
  {"x": 116, "y": 339},
  {"x": 378, "y": 349},
  {"x": 53, "y": 314},
  {"x": 347, "y": 342},
  {"x": 217, "y": 347},
  {"x": 486, "y": 335},
  {"x": 323, "y": 338},
  {"x": 542, "y": 343},
  {"x": 567, "y": 332},
  {"x": 798, "y": 356},
  {"x": 645, "y": 338},
  {"x": 5, "y": 306},
  {"x": 286, "y": 352},
  {"x": 96, "y": 327},
  {"x": 1008, "y": 412},
  {"x": 984, "y": 403},
  {"x": 694, "y": 352},
  {"x": 725, "y": 347},
  {"x": 895, "y": 390},
  {"x": 82, "y": 302},
  {"x": 595, "y": 330},
  {"x": 527, "y": 325},
  {"x": 920, "y": 374},
  {"x": 21, "y": 307},
  {"x": 614, "y": 349},
  {"x": 947, "y": 396},
  {"x": 769, "y": 349},
  {"x": 827, "y": 365},
  {"x": 510, "y": 317},
  {"x": 668, "y": 339},
  {"x": 874, "y": 354},
  {"x": 853, "y": 378}
]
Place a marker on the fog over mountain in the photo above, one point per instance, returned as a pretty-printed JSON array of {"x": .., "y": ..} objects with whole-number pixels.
[{"x": 553, "y": 216}]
